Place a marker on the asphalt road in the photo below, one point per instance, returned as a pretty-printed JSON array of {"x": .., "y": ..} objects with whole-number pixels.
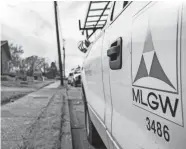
[{"x": 76, "y": 108}]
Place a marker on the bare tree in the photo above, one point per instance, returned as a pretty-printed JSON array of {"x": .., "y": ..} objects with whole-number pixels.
[
  {"x": 16, "y": 52},
  {"x": 34, "y": 63}
]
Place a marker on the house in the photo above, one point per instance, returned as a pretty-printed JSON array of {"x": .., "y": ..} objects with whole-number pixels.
[{"x": 5, "y": 57}]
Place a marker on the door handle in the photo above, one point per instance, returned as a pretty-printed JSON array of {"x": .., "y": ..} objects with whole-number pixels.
[
  {"x": 115, "y": 54},
  {"x": 113, "y": 51}
]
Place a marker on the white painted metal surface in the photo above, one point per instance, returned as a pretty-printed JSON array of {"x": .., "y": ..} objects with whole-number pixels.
[{"x": 142, "y": 104}]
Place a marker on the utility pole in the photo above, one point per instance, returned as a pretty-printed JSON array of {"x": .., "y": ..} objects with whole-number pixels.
[
  {"x": 44, "y": 67},
  {"x": 64, "y": 55},
  {"x": 58, "y": 42}
]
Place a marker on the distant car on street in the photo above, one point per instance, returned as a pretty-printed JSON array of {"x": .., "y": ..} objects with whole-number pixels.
[
  {"x": 76, "y": 78},
  {"x": 70, "y": 78}
]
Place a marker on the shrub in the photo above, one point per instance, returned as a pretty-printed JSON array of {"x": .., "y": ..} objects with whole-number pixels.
[
  {"x": 23, "y": 82},
  {"x": 7, "y": 78},
  {"x": 12, "y": 74},
  {"x": 4, "y": 78}
]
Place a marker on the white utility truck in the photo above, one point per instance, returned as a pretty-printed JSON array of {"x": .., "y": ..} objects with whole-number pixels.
[{"x": 134, "y": 74}]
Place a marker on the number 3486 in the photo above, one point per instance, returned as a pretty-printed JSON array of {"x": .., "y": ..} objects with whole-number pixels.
[{"x": 157, "y": 128}]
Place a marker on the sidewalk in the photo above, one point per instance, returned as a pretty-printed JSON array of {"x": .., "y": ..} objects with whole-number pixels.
[
  {"x": 19, "y": 117},
  {"x": 12, "y": 93}
]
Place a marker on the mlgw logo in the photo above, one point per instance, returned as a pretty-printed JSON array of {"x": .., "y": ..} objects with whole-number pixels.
[
  {"x": 150, "y": 65},
  {"x": 155, "y": 89},
  {"x": 156, "y": 101}
]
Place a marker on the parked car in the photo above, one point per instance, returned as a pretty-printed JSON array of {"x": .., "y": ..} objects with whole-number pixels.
[
  {"x": 134, "y": 77},
  {"x": 70, "y": 78},
  {"x": 76, "y": 78}
]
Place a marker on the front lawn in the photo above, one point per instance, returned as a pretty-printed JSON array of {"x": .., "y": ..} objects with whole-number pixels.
[{"x": 13, "y": 90}]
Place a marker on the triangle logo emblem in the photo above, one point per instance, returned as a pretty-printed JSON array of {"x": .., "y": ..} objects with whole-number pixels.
[
  {"x": 156, "y": 70},
  {"x": 142, "y": 70}
]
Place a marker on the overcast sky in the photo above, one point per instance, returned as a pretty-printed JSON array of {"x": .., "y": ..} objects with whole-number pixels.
[{"x": 31, "y": 24}]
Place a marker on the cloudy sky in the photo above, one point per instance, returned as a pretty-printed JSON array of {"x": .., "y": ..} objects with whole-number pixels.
[{"x": 31, "y": 24}]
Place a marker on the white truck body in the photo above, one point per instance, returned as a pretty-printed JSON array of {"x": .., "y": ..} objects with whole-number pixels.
[{"x": 142, "y": 104}]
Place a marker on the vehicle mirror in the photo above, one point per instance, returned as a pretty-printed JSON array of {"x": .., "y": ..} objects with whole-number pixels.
[
  {"x": 87, "y": 43},
  {"x": 83, "y": 46}
]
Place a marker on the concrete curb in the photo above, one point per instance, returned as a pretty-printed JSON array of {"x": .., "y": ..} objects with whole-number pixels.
[{"x": 66, "y": 134}]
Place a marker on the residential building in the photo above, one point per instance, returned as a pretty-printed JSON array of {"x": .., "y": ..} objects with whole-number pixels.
[{"x": 5, "y": 57}]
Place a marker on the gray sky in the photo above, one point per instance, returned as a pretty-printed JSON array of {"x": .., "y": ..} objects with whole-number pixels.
[{"x": 31, "y": 24}]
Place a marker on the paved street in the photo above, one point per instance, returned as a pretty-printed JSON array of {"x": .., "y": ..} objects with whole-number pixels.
[
  {"x": 16, "y": 117},
  {"x": 77, "y": 119}
]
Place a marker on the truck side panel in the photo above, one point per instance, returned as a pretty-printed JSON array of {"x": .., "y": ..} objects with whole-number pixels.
[{"x": 148, "y": 103}]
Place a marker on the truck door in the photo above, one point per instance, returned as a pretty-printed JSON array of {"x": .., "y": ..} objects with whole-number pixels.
[
  {"x": 93, "y": 70},
  {"x": 94, "y": 86},
  {"x": 142, "y": 42},
  {"x": 116, "y": 35}
]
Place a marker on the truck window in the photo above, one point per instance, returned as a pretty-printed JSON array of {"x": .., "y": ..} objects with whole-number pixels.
[{"x": 117, "y": 8}]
